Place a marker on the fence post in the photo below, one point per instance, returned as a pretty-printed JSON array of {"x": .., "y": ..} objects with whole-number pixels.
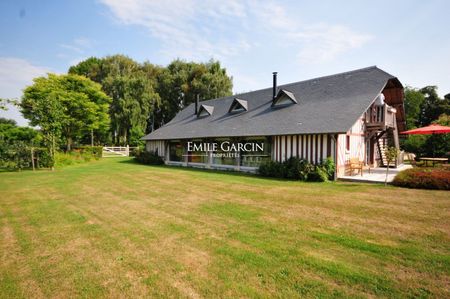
[{"x": 127, "y": 151}]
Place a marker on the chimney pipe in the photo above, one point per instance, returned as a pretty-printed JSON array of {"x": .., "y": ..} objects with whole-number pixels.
[
  {"x": 196, "y": 103},
  {"x": 274, "y": 85}
]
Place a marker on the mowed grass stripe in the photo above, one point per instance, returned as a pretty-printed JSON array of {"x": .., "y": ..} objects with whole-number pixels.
[{"x": 114, "y": 228}]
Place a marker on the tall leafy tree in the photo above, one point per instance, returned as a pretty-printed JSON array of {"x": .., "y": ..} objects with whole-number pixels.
[
  {"x": 7, "y": 121},
  {"x": 41, "y": 105},
  {"x": 180, "y": 82},
  {"x": 432, "y": 106},
  {"x": 2, "y": 104},
  {"x": 145, "y": 96},
  {"x": 133, "y": 93},
  {"x": 90, "y": 68},
  {"x": 413, "y": 102},
  {"x": 132, "y": 89},
  {"x": 10, "y": 131},
  {"x": 65, "y": 106},
  {"x": 424, "y": 106}
]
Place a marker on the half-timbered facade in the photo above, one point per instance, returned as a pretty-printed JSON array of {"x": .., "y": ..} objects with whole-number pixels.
[{"x": 352, "y": 115}]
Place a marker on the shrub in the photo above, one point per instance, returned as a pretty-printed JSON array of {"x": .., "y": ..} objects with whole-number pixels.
[
  {"x": 146, "y": 157},
  {"x": 329, "y": 167},
  {"x": 424, "y": 178},
  {"x": 305, "y": 170},
  {"x": 293, "y": 167},
  {"x": 16, "y": 155},
  {"x": 298, "y": 169},
  {"x": 95, "y": 151},
  {"x": 271, "y": 169},
  {"x": 73, "y": 157},
  {"x": 136, "y": 150},
  {"x": 43, "y": 158},
  {"x": 318, "y": 175}
]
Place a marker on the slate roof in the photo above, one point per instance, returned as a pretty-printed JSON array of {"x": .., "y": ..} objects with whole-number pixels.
[{"x": 330, "y": 104}]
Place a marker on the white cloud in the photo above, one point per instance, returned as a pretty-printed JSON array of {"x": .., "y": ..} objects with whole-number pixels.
[
  {"x": 75, "y": 51},
  {"x": 78, "y": 45},
  {"x": 77, "y": 60},
  {"x": 83, "y": 42},
  {"x": 15, "y": 75},
  {"x": 189, "y": 29},
  {"x": 71, "y": 48},
  {"x": 324, "y": 43},
  {"x": 196, "y": 29}
]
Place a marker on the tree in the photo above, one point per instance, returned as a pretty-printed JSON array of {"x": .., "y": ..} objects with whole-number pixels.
[
  {"x": 2, "y": 104},
  {"x": 181, "y": 82},
  {"x": 422, "y": 107},
  {"x": 65, "y": 106},
  {"x": 438, "y": 145},
  {"x": 5, "y": 102},
  {"x": 41, "y": 105},
  {"x": 9, "y": 132},
  {"x": 432, "y": 106},
  {"x": 85, "y": 106},
  {"x": 391, "y": 154},
  {"x": 91, "y": 68},
  {"x": 131, "y": 87},
  {"x": 145, "y": 96},
  {"x": 6, "y": 121},
  {"x": 413, "y": 102},
  {"x": 133, "y": 93}
]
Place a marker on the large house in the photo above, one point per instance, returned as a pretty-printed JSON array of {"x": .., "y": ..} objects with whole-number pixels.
[{"x": 346, "y": 116}]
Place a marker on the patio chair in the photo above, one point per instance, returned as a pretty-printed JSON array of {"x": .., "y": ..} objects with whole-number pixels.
[{"x": 355, "y": 164}]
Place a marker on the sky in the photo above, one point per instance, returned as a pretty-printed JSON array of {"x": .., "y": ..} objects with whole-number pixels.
[{"x": 298, "y": 39}]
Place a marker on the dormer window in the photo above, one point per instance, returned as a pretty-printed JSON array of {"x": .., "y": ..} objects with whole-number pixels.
[
  {"x": 284, "y": 98},
  {"x": 205, "y": 110},
  {"x": 238, "y": 105}
]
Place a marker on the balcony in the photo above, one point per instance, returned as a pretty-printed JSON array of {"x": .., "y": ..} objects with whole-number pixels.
[{"x": 380, "y": 117}]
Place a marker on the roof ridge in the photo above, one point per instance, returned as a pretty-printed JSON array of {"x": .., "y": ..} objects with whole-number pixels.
[
  {"x": 333, "y": 75},
  {"x": 302, "y": 81}
]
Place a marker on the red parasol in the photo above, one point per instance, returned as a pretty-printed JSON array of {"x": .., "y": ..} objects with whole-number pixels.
[{"x": 431, "y": 129}]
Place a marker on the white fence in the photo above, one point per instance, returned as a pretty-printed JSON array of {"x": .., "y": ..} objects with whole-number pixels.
[{"x": 116, "y": 151}]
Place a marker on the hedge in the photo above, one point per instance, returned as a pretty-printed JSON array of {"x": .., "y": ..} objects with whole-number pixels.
[
  {"x": 150, "y": 158},
  {"x": 424, "y": 178},
  {"x": 298, "y": 169},
  {"x": 17, "y": 156},
  {"x": 95, "y": 151}
]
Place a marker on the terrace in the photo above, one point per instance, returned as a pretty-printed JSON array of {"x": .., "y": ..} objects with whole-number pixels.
[{"x": 376, "y": 175}]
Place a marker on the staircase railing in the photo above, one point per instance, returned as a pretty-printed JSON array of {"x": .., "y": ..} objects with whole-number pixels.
[{"x": 381, "y": 116}]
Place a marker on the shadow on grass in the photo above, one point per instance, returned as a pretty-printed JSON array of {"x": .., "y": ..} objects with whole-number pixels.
[
  {"x": 198, "y": 170},
  {"x": 238, "y": 174}
]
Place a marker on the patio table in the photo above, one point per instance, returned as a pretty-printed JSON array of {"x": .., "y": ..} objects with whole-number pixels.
[{"x": 434, "y": 160}]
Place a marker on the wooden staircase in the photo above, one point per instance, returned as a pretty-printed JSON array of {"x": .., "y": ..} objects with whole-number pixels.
[
  {"x": 382, "y": 146},
  {"x": 381, "y": 124},
  {"x": 387, "y": 139}
]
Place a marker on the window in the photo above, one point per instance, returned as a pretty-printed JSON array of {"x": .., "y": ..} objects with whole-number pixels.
[
  {"x": 284, "y": 98},
  {"x": 175, "y": 151},
  {"x": 225, "y": 155},
  {"x": 347, "y": 142},
  {"x": 198, "y": 157},
  {"x": 260, "y": 153},
  {"x": 205, "y": 110},
  {"x": 238, "y": 105}
]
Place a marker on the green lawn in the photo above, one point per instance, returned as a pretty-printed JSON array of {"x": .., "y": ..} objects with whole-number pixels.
[{"x": 113, "y": 228}]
